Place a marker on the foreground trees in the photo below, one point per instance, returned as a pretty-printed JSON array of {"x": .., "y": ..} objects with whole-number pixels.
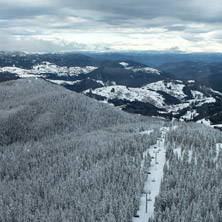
[
  {"x": 191, "y": 189},
  {"x": 71, "y": 178}
]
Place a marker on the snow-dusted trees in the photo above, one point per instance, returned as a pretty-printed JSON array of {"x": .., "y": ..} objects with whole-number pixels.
[
  {"x": 94, "y": 177},
  {"x": 192, "y": 184},
  {"x": 65, "y": 157}
]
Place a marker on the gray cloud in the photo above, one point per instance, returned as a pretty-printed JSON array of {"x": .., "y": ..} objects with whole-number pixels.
[
  {"x": 7, "y": 43},
  {"x": 14, "y": 10},
  {"x": 193, "y": 10},
  {"x": 188, "y": 19},
  {"x": 176, "y": 28}
]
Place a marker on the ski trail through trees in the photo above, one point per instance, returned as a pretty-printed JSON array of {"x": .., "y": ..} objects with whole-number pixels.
[{"x": 152, "y": 185}]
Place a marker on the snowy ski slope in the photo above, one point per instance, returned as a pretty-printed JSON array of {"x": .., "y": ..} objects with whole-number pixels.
[{"x": 152, "y": 185}]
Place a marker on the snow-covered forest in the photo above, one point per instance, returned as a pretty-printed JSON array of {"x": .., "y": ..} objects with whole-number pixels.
[
  {"x": 66, "y": 157},
  {"x": 191, "y": 188}
]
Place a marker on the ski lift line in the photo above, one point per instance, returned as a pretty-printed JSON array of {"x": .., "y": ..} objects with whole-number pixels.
[{"x": 146, "y": 208}]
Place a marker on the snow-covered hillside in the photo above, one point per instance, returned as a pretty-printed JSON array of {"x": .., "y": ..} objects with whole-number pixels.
[
  {"x": 172, "y": 88},
  {"x": 152, "y": 92},
  {"x": 172, "y": 96},
  {"x": 46, "y": 68},
  {"x": 149, "y": 70},
  {"x": 130, "y": 94}
]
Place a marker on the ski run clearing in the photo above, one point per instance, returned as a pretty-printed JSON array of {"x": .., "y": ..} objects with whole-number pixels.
[{"x": 152, "y": 185}]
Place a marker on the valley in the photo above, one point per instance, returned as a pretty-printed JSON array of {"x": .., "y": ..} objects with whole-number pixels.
[{"x": 129, "y": 85}]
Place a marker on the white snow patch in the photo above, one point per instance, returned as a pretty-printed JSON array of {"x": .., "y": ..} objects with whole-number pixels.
[
  {"x": 131, "y": 94},
  {"x": 101, "y": 82},
  {"x": 197, "y": 94},
  {"x": 190, "y": 154},
  {"x": 46, "y": 67},
  {"x": 218, "y": 148},
  {"x": 113, "y": 83},
  {"x": 178, "y": 151},
  {"x": 140, "y": 69},
  {"x": 207, "y": 100},
  {"x": 175, "y": 108},
  {"x": 63, "y": 82},
  {"x": 217, "y": 125},
  {"x": 216, "y": 92},
  {"x": 145, "y": 69},
  {"x": 190, "y": 114},
  {"x": 219, "y": 145},
  {"x": 125, "y": 64},
  {"x": 146, "y": 132},
  {"x": 171, "y": 88},
  {"x": 208, "y": 123},
  {"x": 204, "y": 121},
  {"x": 162, "y": 112}
]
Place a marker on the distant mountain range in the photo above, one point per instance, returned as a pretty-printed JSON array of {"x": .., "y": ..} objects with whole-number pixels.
[
  {"x": 209, "y": 74},
  {"x": 154, "y": 58},
  {"x": 189, "y": 91}
]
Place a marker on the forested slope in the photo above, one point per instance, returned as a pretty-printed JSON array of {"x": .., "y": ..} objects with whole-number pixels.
[
  {"x": 65, "y": 157},
  {"x": 191, "y": 189},
  {"x": 34, "y": 108}
]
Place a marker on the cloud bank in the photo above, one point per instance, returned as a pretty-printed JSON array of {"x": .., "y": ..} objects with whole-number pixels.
[{"x": 55, "y": 25}]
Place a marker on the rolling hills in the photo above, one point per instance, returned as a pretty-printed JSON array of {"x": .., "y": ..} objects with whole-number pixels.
[
  {"x": 209, "y": 74},
  {"x": 188, "y": 91}
]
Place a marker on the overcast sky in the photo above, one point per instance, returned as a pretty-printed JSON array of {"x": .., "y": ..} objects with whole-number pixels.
[{"x": 111, "y": 25}]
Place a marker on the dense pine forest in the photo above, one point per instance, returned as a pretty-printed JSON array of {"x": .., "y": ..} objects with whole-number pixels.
[
  {"x": 66, "y": 157},
  {"x": 191, "y": 189}
]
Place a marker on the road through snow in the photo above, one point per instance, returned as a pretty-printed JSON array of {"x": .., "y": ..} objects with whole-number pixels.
[{"x": 152, "y": 185}]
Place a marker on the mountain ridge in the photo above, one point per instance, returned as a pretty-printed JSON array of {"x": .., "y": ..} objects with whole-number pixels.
[{"x": 209, "y": 74}]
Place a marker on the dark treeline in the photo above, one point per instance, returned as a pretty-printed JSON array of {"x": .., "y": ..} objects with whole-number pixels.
[
  {"x": 191, "y": 189},
  {"x": 65, "y": 157}
]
